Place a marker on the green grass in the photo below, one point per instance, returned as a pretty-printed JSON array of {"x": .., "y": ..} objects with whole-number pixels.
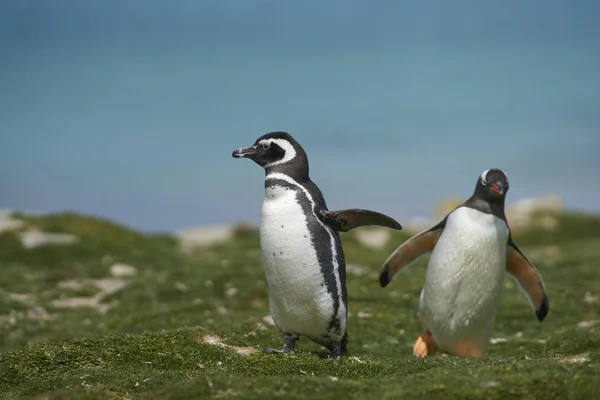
[{"x": 148, "y": 341}]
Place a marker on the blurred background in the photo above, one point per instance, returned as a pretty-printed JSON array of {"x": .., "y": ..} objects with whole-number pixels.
[{"x": 130, "y": 109}]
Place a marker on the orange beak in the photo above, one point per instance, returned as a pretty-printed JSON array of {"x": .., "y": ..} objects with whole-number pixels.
[{"x": 497, "y": 187}]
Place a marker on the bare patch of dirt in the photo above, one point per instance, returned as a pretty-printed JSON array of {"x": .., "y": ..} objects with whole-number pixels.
[{"x": 217, "y": 341}]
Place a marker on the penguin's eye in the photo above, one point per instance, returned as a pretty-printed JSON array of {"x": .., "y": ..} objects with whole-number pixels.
[
  {"x": 266, "y": 146},
  {"x": 483, "y": 182}
]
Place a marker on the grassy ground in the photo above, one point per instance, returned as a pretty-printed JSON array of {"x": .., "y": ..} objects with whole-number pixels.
[{"x": 189, "y": 325}]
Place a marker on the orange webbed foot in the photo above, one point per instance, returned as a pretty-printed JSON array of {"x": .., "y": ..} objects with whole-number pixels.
[{"x": 425, "y": 345}]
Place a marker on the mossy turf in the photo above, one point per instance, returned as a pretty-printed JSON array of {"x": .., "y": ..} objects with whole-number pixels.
[{"x": 148, "y": 341}]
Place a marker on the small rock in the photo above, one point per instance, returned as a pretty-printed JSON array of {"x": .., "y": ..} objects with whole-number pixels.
[
  {"x": 490, "y": 384},
  {"x": 588, "y": 324},
  {"x": 8, "y": 223},
  {"x": 32, "y": 239},
  {"x": 591, "y": 298},
  {"x": 204, "y": 236},
  {"x": 355, "y": 269},
  {"x": 109, "y": 286},
  {"x": 578, "y": 359},
  {"x": 181, "y": 287},
  {"x": 231, "y": 292},
  {"x": 373, "y": 238},
  {"x": 363, "y": 315},
  {"x": 245, "y": 351},
  {"x": 39, "y": 313},
  {"x": 120, "y": 270},
  {"x": 222, "y": 310},
  {"x": 20, "y": 297},
  {"x": 498, "y": 340},
  {"x": 75, "y": 302},
  {"x": 267, "y": 319},
  {"x": 71, "y": 284}
]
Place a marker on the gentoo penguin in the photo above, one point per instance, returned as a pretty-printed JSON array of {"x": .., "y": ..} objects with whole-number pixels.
[
  {"x": 301, "y": 248},
  {"x": 472, "y": 248}
]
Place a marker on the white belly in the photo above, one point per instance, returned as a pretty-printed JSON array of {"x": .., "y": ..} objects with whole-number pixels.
[
  {"x": 464, "y": 279},
  {"x": 298, "y": 297}
]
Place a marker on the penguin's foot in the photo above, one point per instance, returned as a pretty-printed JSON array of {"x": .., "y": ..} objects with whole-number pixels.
[
  {"x": 425, "y": 346},
  {"x": 344, "y": 344},
  {"x": 269, "y": 350},
  {"x": 335, "y": 351},
  {"x": 288, "y": 346},
  {"x": 285, "y": 350}
]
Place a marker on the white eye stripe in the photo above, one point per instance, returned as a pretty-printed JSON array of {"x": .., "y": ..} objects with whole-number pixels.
[
  {"x": 288, "y": 148},
  {"x": 483, "y": 176}
]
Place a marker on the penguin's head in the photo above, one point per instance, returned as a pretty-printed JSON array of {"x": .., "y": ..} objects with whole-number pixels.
[
  {"x": 274, "y": 149},
  {"x": 492, "y": 185}
]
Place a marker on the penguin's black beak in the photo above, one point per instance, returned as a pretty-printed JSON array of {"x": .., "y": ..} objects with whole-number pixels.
[
  {"x": 244, "y": 152},
  {"x": 498, "y": 188}
]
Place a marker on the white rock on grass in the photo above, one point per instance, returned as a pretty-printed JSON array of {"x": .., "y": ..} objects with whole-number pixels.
[
  {"x": 204, "y": 236},
  {"x": 588, "y": 324},
  {"x": 355, "y": 269},
  {"x": 120, "y": 270},
  {"x": 8, "y": 223},
  {"x": 107, "y": 287},
  {"x": 520, "y": 214},
  {"x": 32, "y": 239},
  {"x": 374, "y": 238}
]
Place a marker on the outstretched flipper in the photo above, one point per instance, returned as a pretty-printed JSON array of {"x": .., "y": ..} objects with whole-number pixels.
[
  {"x": 345, "y": 220},
  {"x": 409, "y": 252},
  {"x": 529, "y": 280}
]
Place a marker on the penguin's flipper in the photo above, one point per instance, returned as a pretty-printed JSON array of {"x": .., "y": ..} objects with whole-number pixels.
[
  {"x": 409, "y": 252},
  {"x": 522, "y": 271},
  {"x": 345, "y": 220}
]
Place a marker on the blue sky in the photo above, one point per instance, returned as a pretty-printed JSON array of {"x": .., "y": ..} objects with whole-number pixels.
[{"x": 130, "y": 109}]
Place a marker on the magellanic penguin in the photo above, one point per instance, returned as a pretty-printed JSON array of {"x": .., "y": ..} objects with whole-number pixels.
[
  {"x": 301, "y": 248},
  {"x": 472, "y": 250}
]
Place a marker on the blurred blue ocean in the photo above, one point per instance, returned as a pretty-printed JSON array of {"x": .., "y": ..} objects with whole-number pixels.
[{"x": 130, "y": 109}]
